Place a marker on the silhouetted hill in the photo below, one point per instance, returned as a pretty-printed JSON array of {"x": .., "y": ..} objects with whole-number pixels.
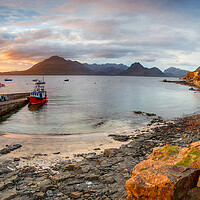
[
  {"x": 107, "y": 69},
  {"x": 55, "y": 65},
  {"x": 177, "y": 72},
  {"x": 136, "y": 69}
]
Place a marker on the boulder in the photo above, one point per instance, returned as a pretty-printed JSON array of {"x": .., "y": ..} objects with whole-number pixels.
[
  {"x": 75, "y": 195},
  {"x": 162, "y": 182},
  {"x": 168, "y": 173},
  {"x": 109, "y": 152}
]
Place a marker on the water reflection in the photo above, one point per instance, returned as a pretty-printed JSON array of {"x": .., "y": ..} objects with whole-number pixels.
[{"x": 36, "y": 107}]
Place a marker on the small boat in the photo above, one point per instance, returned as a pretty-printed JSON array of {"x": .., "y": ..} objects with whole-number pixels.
[
  {"x": 35, "y": 80},
  {"x": 40, "y": 82},
  {"x": 39, "y": 95},
  {"x": 66, "y": 79},
  {"x": 2, "y": 85},
  {"x": 7, "y": 79}
]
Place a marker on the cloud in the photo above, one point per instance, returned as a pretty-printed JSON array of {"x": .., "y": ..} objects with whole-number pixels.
[
  {"x": 152, "y": 31},
  {"x": 32, "y": 35},
  {"x": 101, "y": 27}
]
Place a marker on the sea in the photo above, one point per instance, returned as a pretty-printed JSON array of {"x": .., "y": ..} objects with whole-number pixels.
[{"x": 97, "y": 104}]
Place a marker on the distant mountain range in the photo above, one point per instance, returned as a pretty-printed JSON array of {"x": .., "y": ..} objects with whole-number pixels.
[
  {"x": 136, "y": 69},
  {"x": 56, "y": 65},
  {"x": 107, "y": 69},
  {"x": 177, "y": 72}
]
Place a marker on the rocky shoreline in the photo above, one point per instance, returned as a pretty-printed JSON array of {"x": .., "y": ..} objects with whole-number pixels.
[
  {"x": 184, "y": 82},
  {"x": 96, "y": 176}
]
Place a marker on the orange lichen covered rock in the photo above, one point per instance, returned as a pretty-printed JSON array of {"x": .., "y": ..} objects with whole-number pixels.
[
  {"x": 163, "y": 182},
  {"x": 195, "y": 145},
  {"x": 169, "y": 173},
  {"x": 144, "y": 165},
  {"x": 196, "y": 164}
]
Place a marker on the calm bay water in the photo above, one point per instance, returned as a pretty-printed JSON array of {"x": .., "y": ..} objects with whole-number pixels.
[{"x": 76, "y": 106}]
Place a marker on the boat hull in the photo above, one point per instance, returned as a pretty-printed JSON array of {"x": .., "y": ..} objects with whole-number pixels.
[{"x": 36, "y": 100}]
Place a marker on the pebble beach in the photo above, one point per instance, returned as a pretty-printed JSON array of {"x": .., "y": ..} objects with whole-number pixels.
[{"x": 98, "y": 173}]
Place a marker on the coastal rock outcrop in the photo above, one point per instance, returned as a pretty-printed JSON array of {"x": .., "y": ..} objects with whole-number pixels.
[
  {"x": 193, "y": 77},
  {"x": 168, "y": 173}
]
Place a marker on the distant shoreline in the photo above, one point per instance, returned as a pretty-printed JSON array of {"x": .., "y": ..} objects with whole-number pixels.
[{"x": 183, "y": 83}]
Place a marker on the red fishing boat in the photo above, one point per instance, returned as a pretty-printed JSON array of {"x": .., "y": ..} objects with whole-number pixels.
[{"x": 39, "y": 95}]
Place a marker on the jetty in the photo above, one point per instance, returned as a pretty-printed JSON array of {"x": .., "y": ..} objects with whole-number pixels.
[{"x": 11, "y": 102}]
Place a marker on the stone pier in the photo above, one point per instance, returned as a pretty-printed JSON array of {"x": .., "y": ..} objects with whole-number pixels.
[{"x": 12, "y": 102}]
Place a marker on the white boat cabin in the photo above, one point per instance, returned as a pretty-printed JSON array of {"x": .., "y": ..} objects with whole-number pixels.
[{"x": 38, "y": 92}]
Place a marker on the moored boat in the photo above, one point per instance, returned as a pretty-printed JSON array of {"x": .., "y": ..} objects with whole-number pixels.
[
  {"x": 7, "y": 79},
  {"x": 35, "y": 80},
  {"x": 40, "y": 82},
  {"x": 66, "y": 79},
  {"x": 39, "y": 95}
]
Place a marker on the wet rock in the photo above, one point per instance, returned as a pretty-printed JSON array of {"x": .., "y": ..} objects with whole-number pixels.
[
  {"x": 99, "y": 124},
  {"x": 192, "y": 89},
  {"x": 121, "y": 138},
  {"x": 10, "y": 148},
  {"x": 138, "y": 112},
  {"x": 44, "y": 185},
  {"x": 2, "y": 186},
  {"x": 70, "y": 167},
  {"x": 61, "y": 177},
  {"x": 91, "y": 177},
  {"x": 76, "y": 195},
  {"x": 38, "y": 154},
  {"x": 56, "y": 152},
  {"x": 150, "y": 114},
  {"x": 4, "y": 151},
  {"x": 109, "y": 152},
  {"x": 49, "y": 193},
  {"x": 40, "y": 195},
  {"x": 8, "y": 194}
]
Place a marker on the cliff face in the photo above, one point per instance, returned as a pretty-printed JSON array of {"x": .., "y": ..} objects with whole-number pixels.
[{"x": 168, "y": 173}]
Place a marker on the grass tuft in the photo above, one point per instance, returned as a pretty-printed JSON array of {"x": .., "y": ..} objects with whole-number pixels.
[
  {"x": 169, "y": 149},
  {"x": 195, "y": 151},
  {"x": 142, "y": 168},
  {"x": 186, "y": 161}
]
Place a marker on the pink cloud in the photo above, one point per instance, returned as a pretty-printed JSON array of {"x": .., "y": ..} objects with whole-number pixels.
[{"x": 104, "y": 27}]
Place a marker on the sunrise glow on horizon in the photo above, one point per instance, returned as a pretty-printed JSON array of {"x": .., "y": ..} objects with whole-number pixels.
[{"x": 156, "y": 33}]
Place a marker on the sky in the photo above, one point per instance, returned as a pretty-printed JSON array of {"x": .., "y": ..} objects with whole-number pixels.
[{"x": 156, "y": 33}]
